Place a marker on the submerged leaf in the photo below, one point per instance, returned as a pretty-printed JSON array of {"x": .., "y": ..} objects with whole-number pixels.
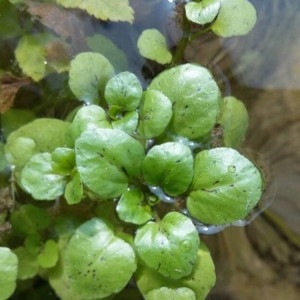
[
  {"x": 225, "y": 188},
  {"x": 152, "y": 45},
  {"x": 114, "y": 10}
]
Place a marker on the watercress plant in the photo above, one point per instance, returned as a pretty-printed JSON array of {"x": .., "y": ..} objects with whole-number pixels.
[{"x": 120, "y": 190}]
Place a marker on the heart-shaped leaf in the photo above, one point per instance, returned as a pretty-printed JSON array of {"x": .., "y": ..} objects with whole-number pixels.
[
  {"x": 225, "y": 188},
  {"x": 170, "y": 246}
]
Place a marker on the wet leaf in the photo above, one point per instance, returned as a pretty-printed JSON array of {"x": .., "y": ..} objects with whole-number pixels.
[
  {"x": 200, "y": 281},
  {"x": 155, "y": 114},
  {"x": 169, "y": 166},
  {"x": 152, "y": 45},
  {"x": 195, "y": 97},
  {"x": 127, "y": 123},
  {"x": 74, "y": 190},
  {"x": 113, "y": 10},
  {"x": 225, "y": 188},
  {"x": 234, "y": 122},
  {"x": 89, "y": 73},
  {"x": 8, "y": 272},
  {"x": 236, "y": 17},
  {"x": 131, "y": 208},
  {"x": 9, "y": 86},
  {"x": 123, "y": 91},
  {"x": 106, "y": 159},
  {"x": 170, "y": 246},
  {"x": 107, "y": 265},
  {"x": 202, "y": 12},
  {"x": 39, "y": 179}
]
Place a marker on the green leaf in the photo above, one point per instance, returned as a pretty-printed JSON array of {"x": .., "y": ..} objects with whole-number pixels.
[
  {"x": 107, "y": 265},
  {"x": 225, "y": 188},
  {"x": 155, "y": 114},
  {"x": 202, "y": 12},
  {"x": 63, "y": 160},
  {"x": 100, "y": 43},
  {"x": 175, "y": 294},
  {"x": 86, "y": 116},
  {"x": 195, "y": 97},
  {"x": 123, "y": 91},
  {"x": 152, "y": 45},
  {"x": 169, "y": 166},
  {"x": 200, "y": 281},
  {"x": 89, "y": 73},
  {"x": 113, "y": 10},
  {"x": 8, "y": 272},
  {"x": 39, "y": 179},
  {"x": 41, "y": 135},
  {"x": 127, "y": 123},
  {"x": 236, "y": 17},
  {"x": 131, "y": 208},
  {"x": 28, "y": 266},
  {"x": 169, "y": 247},
  {"x": 234, "y": 122},
  {"x": 106, "y": 159},
  {"x": 49, "y": 255},
  {"x": 29, "y": 219},
  {"x": 74, "y": 190}
]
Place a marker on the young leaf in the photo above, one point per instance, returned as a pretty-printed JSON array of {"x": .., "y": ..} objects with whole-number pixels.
[
  {"x": 8, "y": 272},
  {"x": 165, "y": 293},
  {"x": 106, "y": 159},
  {"x": 202, "y": 12},
  {"x": 123, "y": 91},
  {"x": 234, "y": 122},
  {"x": 169, "y": 247},
  {"x": 89, "y": 73},
  {"x": 200, "y": 281},
  {"x": 131, "y": 209},
  {"x": 90, "y": 115},
  {"x": 39, "y": 179},
  {"x": 155, "y": 114},
  {"x": 107, "y": 265},
  {"x": 127, "y": 123},
  {"x": 195, "y": 97},
  {"x": 236, "y": 17},
  {"x": 74, "y": 190},
  {"x": 152, "y": 45},
  {"x": 170, "y": 166},
  {"x": 63, "y": 160},
  {"x": 225, "y": 188},
  {"x": 49, "y": 255},
  {"x": 29, "y": 219},
  {"x": 113, "y": 10}
]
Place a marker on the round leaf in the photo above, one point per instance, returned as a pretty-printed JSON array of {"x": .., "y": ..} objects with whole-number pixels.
[
  {"x": 63, "y": 160},
  {"x": 49, "y": 255},
  {"x": 90, "y": 115},
  {"x": 131, "y": 209},
  {"x": 170, "y": 166},
  {"x": 195, "y": 97},
  {"x": 39, "y": 179},
  {"x": 203, "y": 12},
  {"x": 167, "y": 294},
  {"x": 169, "y": 247},
  {"x": 106, "y": 159},
  {"x": 106, "y": 266},
  {"x": 74, "y": 190},
  {"x": 8, "y": 272},
  {"x": 155, "y": 114},
  {"x": 152, "y": 45},
  {"x": 234, "y": 122},
  {"x": 89, "y": 73},
  {"x": 127, "y": 123},
  {"x": 236, "y": 17},
  {"x": 225, "y": 188},
  {"x": 124, "y": 91}
]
